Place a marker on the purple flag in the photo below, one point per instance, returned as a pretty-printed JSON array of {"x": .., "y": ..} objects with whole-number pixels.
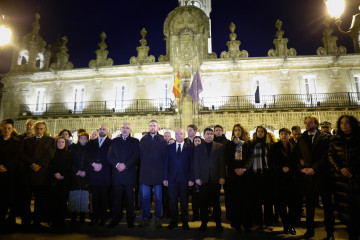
[{"x": 196, "y": 87}]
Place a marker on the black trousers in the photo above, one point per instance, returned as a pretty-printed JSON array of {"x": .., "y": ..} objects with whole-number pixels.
[
  {"x": 100, "y": 196},
  {"x": 263, "y": 195},
  {"x": 286, "y": 203},
  {"x": 240, "y": 202},
  {"x": 195, "y": 200},
  {"x": 165, "y": 202},
  {"x": 6, "y": 202},
  {"x": 41, "y": 204},
  {"x": 123, "y": 195},
  {"x": 210, "y": 196},
  {"x": 176, "y": 191},
  {"x": 311, "y": 200},
  {"x": 59, "y": 199}
]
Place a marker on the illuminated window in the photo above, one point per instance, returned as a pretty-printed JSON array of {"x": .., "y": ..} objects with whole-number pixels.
[
  {"x": 40, "y": 60},
  {"x": 23, "y": 57},
  {"x": 40, "y": 100},
  {"x": 357, "y": 87},
  {"x": 195, "y": 4},
  {"x": 120, "y": 97},
  {"x": 79, "y": 98},
  {"x": 310, "y": 86}
]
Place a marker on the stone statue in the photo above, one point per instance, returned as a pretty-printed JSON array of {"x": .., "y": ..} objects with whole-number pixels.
[
  {"x": 329, "y": 41},
  {"x": 101, "y": 55},
  {"x": 234, "y": 46},
  {"x": 62, "y": 58},
  {"x": 143, "y": 51},
  {"x": 280, "y": 43}
]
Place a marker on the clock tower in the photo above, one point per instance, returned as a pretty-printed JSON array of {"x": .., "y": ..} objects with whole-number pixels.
[{"x": 204, "y": 5}]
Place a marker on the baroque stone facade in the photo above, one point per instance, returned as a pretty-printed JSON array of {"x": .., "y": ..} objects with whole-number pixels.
[{"x": 290, "y": 85}]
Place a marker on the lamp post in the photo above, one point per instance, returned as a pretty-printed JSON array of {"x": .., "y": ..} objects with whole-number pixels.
[
  {"x": 336, "y": 9},
  {"x": 5, "y": 32}
]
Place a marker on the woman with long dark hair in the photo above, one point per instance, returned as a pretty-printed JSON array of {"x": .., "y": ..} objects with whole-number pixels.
[
  {"x": 9, "y": 173},
  {"x": 239, "y": 165},
  {"x": 344, "y": 155},
  {"x": 261, "y": 180},
  {"x": 60, "y": 178}
]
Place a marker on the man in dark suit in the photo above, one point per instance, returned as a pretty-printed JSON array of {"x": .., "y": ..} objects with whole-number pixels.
[
  {"x": 209, "y": 171},
  {"x": 100, "y": 175},
  {"x": 178, "y": 176},
  {"x": 311, "y": 155},
  {"x": 36, "y": 155},
  {"x": 123, "y": 157}
]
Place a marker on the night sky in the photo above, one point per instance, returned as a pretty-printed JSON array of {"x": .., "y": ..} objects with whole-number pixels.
[{"x": 82, "y": 21}]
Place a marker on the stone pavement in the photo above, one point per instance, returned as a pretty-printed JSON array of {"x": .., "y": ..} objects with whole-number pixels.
[{"x": 80, "y": 232}]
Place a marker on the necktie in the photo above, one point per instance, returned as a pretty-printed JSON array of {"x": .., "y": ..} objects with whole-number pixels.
[
  {"x": 100, "y": 141},
  {"x": 179, "y": 149},
  {"x": 311, "y": 138}
]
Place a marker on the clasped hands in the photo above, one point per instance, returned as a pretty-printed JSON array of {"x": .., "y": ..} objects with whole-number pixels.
[{"x": 97, "y": 167}]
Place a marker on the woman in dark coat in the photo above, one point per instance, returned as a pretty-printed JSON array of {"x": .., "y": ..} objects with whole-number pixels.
[
  {"x": 239, "y": 166},
  {"x": 284, "y": 172},
  {"x": 60, "y": 179},
  {"x": 344, "y": 155},
  {"x": 10, "y": 148},
  {"x": 261, "y": 180},
  {"x": 79, "y": 190}
]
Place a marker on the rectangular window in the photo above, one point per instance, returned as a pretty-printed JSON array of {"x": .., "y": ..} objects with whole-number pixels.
[
  {"x": 40, "y": 100},
  {"x": 357, "y": 87},
  {"x": 120, "y": 97},
  {"x": 310, "y": 86},
  {"x": 79, "y": 99}
]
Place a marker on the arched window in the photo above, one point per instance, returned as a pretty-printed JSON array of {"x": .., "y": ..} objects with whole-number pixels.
[
  {"x": 23, "y": 57},
  {"x": 40, "y": 60}
]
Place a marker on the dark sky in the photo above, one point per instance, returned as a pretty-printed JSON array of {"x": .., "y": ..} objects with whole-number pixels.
[{"x": 82, "y": 21}]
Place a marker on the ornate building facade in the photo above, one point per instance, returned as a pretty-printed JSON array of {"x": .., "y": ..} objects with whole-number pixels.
[{"x": 44, "y": 84}]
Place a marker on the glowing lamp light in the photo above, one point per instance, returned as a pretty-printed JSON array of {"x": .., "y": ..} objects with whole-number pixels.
[
  {"x": 5, "y": 35},
  {"x": 335, "y": 7}
]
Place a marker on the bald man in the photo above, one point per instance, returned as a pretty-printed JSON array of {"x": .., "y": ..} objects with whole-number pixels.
[{"x": 100, "y": 175}]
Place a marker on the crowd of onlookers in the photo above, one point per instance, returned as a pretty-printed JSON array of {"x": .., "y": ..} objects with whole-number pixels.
[{"x": 262, "y": 177}]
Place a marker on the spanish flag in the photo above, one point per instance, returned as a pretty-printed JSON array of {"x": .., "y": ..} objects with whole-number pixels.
[{"x": 177, "y": 89}]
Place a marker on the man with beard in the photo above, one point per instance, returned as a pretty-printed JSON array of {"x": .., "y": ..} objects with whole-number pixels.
[
  {"x": 100, "y": 175},
  {"x": 311, "y": 155},
  {"x": 152, "y": 156},
  {"x": 29, "y": 129}
]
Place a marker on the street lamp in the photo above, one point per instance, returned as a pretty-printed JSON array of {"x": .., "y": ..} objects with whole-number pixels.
[
  {"x": 5, "y": 32},
  {"x": 336, "y": 9}
]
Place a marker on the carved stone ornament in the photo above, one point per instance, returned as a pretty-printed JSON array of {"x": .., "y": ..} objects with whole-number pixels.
[
  {"x": 62, "y": 58},
  {"x": 329, "y": 41},
  {"x": 101, "y": 55},
  {"x": 280, "y": 43},
  {"x": 143, "y": 51},
  {"x": 234, "y": 46},
  {"x": 32, "y": 47},
  {"x": 186, "y": 31}
]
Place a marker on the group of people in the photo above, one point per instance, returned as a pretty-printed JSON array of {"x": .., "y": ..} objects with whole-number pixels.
[{"x": 258, "y": 176}]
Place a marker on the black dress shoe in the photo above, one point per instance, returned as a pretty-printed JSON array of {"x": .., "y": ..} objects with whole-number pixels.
[
  {"x": 130, "y": 224},
  {"x": 286, "y": 230},
  {"x": 292, "y": 231},
  {"x": 185, "y": 226},
  {"x": 203, "y": 227},
  {"x": 219, "y": 227},
  {"x": 172, "y": 225},
  {"x": 330, "y": 237},
  {"x": 309, "y": 234},
  {"x": 93, "y": 222},
  {"x": 112, "y": 224}
]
